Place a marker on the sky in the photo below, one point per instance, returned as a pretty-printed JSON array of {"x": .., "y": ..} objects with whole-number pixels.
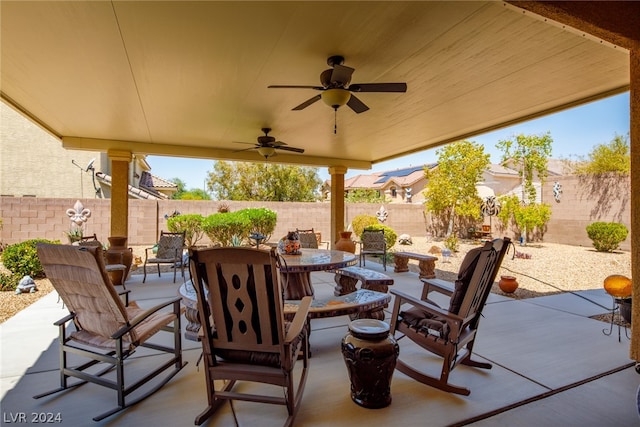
[{"x": 575, "y": 132}]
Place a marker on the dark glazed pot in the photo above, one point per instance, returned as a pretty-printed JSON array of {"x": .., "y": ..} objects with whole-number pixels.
[{"x": 370, "y": 354}]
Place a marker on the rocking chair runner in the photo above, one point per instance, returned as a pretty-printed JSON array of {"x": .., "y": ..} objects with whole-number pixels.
[
  {"x": 107, "y": 331},
  {"x": 245, "y": 336},
  {"x": 449, "y": 333}
]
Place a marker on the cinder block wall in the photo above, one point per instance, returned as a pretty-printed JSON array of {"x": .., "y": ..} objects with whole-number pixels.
[
  {"x": 581, "y": 203},
  {"x": 29, "y": 218}
]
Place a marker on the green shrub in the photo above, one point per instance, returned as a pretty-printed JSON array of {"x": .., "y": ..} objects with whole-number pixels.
[
  {"x": 606, "y": 236},
  {"x": 360, "y": 222},
  {"x": 191, "y": 224},
  {"x": 22, "y": 258},
  {"x": 390, "y": 236},
  {"x": 262, "y": 220},
  {"x": 9, "y": 282},
  {"x": 451, "y": 242},
  {"x": 222, "y": 227}
]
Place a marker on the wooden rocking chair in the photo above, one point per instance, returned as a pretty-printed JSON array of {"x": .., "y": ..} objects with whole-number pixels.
[
  {"x": 450, "y": 333},
  {"x": 245, "y": 336}
]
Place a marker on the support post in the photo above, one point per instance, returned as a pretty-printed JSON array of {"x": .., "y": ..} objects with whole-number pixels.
[
  {"x": 119, "y": 192},
  {"x": 337, "y": 202}
]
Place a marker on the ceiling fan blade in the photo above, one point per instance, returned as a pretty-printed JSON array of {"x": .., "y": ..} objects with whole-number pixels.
[
  {"x": 294, "y": 149},
  {"x": 341, "y": 74},
  {"x": 294, "y": 87},
  {"x": 241, "y": 142},
  {"x": 378, "y": 87},
  {"x": 306, "y": 103},
  {"x": 356, "y": 105},
  {"x": 278, "y": 144},
  {"x": 245, "y": 149}
]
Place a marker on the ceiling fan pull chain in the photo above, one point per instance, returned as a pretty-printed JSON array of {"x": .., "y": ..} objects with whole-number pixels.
[{"x": 335, "y": 121}]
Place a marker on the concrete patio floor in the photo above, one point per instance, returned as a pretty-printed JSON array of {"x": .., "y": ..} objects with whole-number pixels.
[{"x": 552, "y": 366}]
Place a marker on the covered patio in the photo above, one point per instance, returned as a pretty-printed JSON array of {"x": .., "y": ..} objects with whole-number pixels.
[
  {"x": 552, "y": 366},
  {"x": 191, "y": 79}
]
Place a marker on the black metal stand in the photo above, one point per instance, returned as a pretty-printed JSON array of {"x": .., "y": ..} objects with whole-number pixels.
[{"x": 616, "y": 309}]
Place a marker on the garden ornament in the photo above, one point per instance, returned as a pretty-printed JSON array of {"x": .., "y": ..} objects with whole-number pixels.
[{"x": 26, "y": 286}]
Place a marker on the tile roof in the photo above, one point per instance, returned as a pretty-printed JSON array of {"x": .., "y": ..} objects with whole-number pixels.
[
  {"x": 137, "y": 193},
  {"x": 402, "y": 177},
  {"x": 150, "y": 181}
]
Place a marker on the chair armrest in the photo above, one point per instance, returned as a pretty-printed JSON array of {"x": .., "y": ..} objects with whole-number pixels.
[
  {"x": 146, "y": 253},
  {"x": 65, "y": 319},
  {"x": 402, "y": 298},
  {"x": 299, "y": 320},
  {"x": 139, "y": 319},
  {"x": 438, "y": 285},
  {"x": 454, "y": 321}
]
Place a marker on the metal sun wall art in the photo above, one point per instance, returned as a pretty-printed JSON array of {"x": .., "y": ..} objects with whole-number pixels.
[
  {"x": 557, "y": 191},
  {"x": 490, "y": 206}
]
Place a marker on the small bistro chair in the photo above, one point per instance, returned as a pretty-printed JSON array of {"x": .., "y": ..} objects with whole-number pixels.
[{"x": 170, "y": 248}]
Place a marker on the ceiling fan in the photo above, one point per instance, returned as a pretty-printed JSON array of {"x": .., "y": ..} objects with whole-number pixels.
[
  {"x": 336, "y": 90},
  {"x": 267, "y": 145}
]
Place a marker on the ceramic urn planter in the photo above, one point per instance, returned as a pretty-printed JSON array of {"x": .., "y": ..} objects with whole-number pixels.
[
  {"x": 508, "y": 284},
  {"x": 345, "y": 243}
]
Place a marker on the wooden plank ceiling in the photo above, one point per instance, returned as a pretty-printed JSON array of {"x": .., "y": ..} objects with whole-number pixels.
[{"x": 190, "y": 78}]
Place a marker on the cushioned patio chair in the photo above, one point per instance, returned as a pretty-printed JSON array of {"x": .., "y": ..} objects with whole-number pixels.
[
  {"x": 449, "y": 333},
  {"x": 106, "y": 331},
  {"x": 244, "y": 334},
  {"x": 372, "y": 242},
  {"x": 308, "y": 239},
  {"x": 170, "y": 248}
]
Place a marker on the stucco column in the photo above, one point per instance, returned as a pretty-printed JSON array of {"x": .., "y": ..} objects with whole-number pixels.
[
  {"x": 337, "y": 202},
  {"x": 119, "y": 192},
  {"x": 634, "y": 136}
]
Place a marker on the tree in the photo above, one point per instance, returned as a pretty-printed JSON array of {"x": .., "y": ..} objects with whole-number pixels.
[
  {"x": 530, "y": 153},
  {"x": 613, "y": 157},
  {"x": 184, "y": 194},
  {"x": 263, "y": 182},
  {"x": 364, "y": 195},
  {"x": 195, "y": 194},
  {"x": 182, "y": 186},
  {"x": 451, "y": 188}
]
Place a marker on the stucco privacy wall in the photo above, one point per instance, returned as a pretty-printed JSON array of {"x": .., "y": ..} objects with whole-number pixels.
[
  {"x": 584, "y": 201},
  {"x": 581, "y": 203}
]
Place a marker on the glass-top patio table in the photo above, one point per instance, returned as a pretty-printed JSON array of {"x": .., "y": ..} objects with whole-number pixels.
[{"x": 295, "y": 270}]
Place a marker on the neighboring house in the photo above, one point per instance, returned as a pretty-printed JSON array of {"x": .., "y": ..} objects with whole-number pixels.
[
  {"x": 397, "y": 186},
  {"x": 33, "y": 163},
  {"x": 406, "y": 185}
]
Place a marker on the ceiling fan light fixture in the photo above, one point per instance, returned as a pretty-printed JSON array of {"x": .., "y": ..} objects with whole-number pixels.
[
  {"x": 266, "y": 152},
  {"x": 335, "y": 98}
]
